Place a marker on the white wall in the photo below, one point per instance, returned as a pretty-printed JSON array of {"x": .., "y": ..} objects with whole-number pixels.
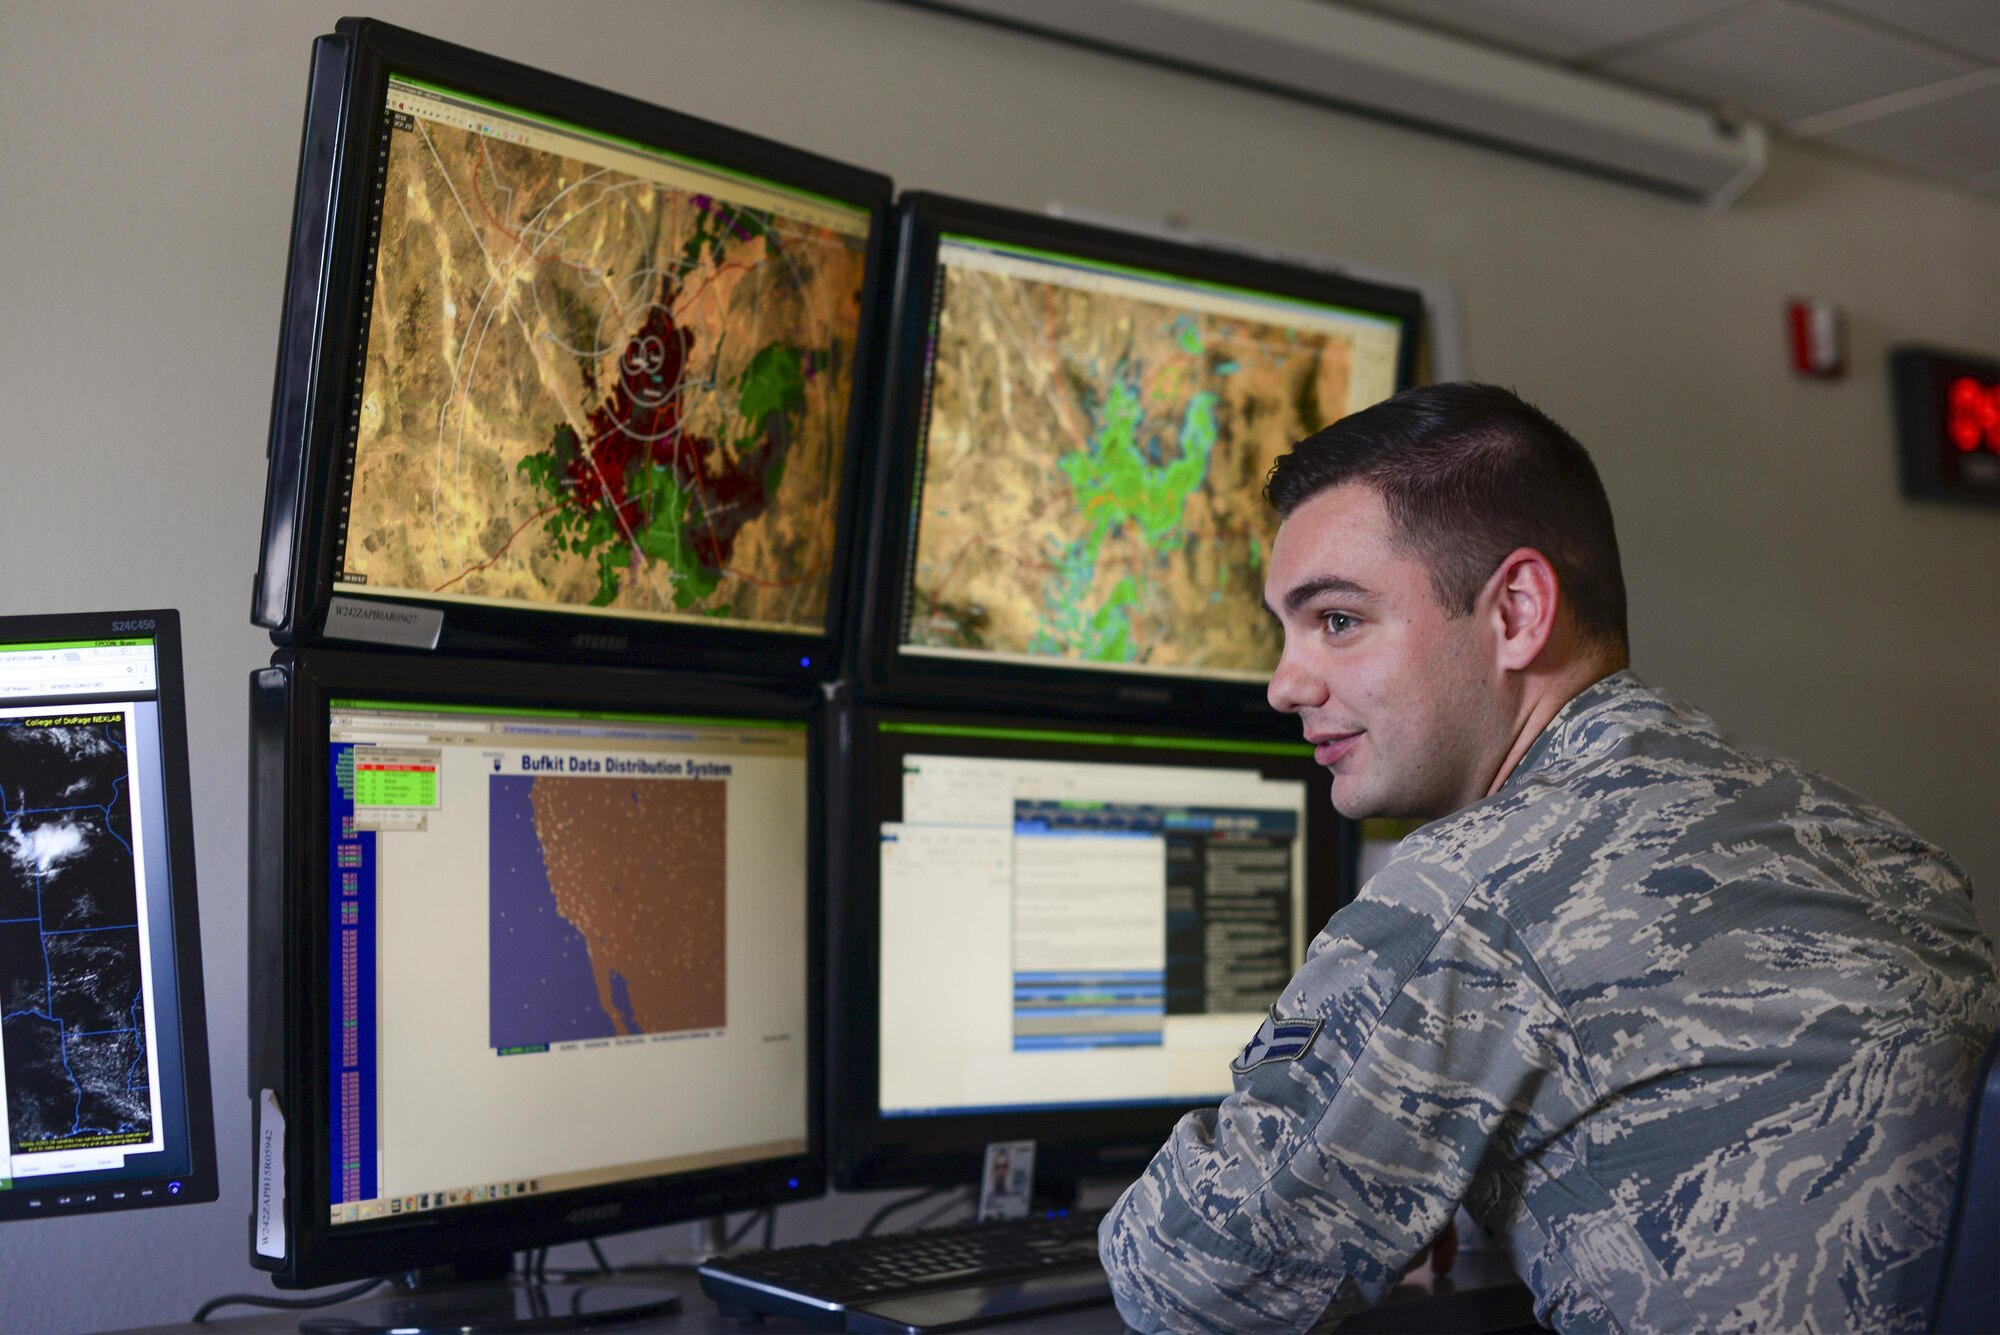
[{"x": 146, "y": 168}]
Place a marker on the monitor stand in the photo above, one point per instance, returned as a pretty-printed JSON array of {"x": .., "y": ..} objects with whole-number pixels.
[{"x": 480, "y": 1298}]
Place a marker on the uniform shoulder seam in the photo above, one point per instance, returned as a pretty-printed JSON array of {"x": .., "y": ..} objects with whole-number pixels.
[
  {"x": 1368, "y": 1039},
  {"x": 1526, "y": 949}
]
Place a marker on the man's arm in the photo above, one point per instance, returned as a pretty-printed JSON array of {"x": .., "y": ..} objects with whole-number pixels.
[{"x": 1418, "y": 1041}]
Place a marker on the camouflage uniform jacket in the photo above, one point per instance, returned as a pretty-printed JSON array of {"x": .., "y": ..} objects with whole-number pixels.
[{"x": 1690, "y": 1031}]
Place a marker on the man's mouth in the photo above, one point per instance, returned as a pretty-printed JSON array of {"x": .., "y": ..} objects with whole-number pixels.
[{"x": 1330, "y": 748}]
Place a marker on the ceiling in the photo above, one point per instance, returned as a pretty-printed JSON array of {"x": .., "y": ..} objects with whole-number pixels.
[{"x": 1911, "y": 83}]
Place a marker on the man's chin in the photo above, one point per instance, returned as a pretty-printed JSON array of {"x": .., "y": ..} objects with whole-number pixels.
[
  {"x": 1356, "y": 801},
  {"x": 1352, "y": 802}
]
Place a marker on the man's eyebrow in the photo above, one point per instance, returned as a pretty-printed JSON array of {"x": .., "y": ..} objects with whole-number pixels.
[{"x": 1304, "y": 592}]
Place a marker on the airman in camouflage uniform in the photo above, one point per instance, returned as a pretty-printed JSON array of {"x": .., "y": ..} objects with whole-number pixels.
[{"x": 1690, "y": 1030}]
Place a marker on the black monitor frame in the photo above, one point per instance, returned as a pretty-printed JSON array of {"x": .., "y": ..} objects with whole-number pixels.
[
  {"x": 882, "y": 671},
  {"x": 199, "y": 1183},
  {"x": 870, "y": 1151},
  {"x": 289, "y": 939},
  {"x": 323, "y": 339}
]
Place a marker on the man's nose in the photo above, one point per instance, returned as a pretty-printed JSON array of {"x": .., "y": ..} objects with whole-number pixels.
[{"x": 1293, "y": 687}]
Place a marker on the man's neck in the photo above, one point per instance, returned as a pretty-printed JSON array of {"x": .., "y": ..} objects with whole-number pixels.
[{"x": 1545, "y": 697}]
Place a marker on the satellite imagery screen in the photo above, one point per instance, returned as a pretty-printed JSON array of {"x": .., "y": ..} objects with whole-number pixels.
[
  {"x": 1093, "y": 457},
  {"x": 598, "y": 377},
  {"x": 72, "y": 998}
]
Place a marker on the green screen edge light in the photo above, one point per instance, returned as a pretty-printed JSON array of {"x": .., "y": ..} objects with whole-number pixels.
[
  {"x": 604, "y": 716},
  {"x": 1160, "y": 275},
  {"x": 651, "y": 150},
  {"x": 1224, "y": 745},
  {"x": 40, "y": 645}
]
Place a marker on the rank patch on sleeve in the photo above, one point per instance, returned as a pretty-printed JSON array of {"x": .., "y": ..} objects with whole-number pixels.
[{"x": 1277, "y": 1040}]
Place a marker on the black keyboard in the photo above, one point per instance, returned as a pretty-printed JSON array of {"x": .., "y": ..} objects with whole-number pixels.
[{"x": 936, "y": 1279}]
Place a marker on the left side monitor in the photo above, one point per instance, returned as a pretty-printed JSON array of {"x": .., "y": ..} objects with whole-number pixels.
[
  {"x": 104, "y": 1096},
  {"x": 533, "y": 956},
  {"x": 561, "y": 373}
]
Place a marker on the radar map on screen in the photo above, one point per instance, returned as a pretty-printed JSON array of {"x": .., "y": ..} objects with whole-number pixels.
[
  {"x": 609, "y": 908},
  {"x": 1094, "y": 456},
  {"x": 599, "y": 378},
  {"x": 72, "y": 1004}
]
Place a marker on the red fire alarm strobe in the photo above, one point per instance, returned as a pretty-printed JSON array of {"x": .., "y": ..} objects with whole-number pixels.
[{"x": 1819, "y": 339}]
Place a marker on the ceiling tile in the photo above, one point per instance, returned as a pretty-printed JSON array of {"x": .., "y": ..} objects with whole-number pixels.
[
  {"x": 1956, "y": 136},
  {"x": 1557, "y": 29},
  {"x": 1781, "y": 61},
  {"x": 1971, "y": 26}
]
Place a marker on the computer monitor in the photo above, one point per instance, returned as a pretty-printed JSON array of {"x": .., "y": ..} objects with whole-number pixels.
[
  {"x": 1061, "y": 934},
  {"x": 104, "y": 1098},
  {"x": 534, "y": 957},
  {"x": 1076, "y": 429},
  {"x": 561, "y": 373}
]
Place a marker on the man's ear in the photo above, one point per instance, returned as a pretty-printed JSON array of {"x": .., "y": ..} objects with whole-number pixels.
[{"x": 1521, "y": 601}]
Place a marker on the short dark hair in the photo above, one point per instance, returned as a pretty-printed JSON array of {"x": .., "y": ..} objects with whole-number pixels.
[{"x": 1469, "y": 473}]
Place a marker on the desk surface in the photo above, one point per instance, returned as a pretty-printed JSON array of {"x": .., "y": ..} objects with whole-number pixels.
[{"x": 1481, "y": 1294}]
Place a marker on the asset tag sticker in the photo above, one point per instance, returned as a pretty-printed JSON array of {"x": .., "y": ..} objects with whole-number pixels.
[
  {"x": 1277, "y": 1040},
  {"x": 384, "y": 623},
  {"x": 270, "y": 1203}
]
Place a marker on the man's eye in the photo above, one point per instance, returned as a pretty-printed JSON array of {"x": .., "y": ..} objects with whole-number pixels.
[{"x": 1339, "y": 623}]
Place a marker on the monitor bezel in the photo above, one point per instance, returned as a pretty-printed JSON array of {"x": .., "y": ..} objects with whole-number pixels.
[
  {"x": 870, "y": 1151},
  {"x": 878, "y": 662},
  {"x": 323, "y": 338},
  {"x": 201, "y": 1182},
  {"x": 289, "y": 939}
]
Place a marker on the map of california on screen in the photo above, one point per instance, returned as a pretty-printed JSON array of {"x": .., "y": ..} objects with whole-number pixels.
[
  {"x": 1094, "y": 458},
  {"x": 606, "y": 383},
  {"x": 609, "y": 908}
]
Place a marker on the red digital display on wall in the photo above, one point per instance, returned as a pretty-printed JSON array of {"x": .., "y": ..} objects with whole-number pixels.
[
  {"x": 1948, "y": 424},
  {"x": 1972, "y": 414}
]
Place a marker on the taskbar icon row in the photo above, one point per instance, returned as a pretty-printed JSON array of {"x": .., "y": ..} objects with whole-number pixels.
[{"x": 351, "y": 1212}]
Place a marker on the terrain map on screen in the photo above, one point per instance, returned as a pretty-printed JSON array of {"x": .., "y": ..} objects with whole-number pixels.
[
  {"x": 1093, "y": 461},
  {"x": 599, "y": 379}
]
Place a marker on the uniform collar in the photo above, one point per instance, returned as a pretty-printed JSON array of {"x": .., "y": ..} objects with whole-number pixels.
[{"x": 1594, "y": 716}]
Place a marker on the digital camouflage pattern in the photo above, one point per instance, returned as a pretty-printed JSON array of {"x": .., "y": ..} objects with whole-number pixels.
[{"x": 1691, "y": 1031}]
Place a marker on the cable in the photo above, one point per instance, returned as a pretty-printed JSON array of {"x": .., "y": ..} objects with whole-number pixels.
[
  {"x": 770, "y": 1227},
  {"x": 743, "y": 1230},
  {"x": 957, "y": 1200},
  {"x": 603, "y": 1266},
  {"x": 285, "y": 1304},
  {"x": 916, "y": 1198}
]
